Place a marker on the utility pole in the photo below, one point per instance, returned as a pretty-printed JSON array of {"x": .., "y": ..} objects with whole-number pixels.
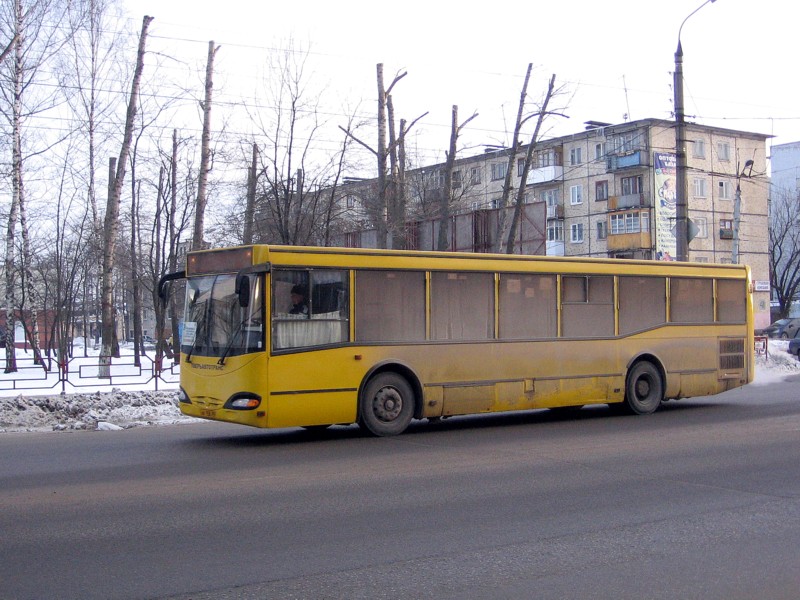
[
  {"x": 737, "y": 211},
  {"x": 682, "y": 197}
]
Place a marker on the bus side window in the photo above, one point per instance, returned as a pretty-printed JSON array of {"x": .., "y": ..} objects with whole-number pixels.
[
  {"x": 731, "y": 301},
  {"x": 309, "y": 308},
  {"x": 642, "y": 303},
  {"x": 691, "y": 300},
  {"x": 462, "y": 306},
  {"x": 587, "y": 306},
  {"x": 390, "y": 306},
  {"x": 528, "y": 306}
]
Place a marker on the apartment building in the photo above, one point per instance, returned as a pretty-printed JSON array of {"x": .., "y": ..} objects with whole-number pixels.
[{"x": 607, "y": 191}]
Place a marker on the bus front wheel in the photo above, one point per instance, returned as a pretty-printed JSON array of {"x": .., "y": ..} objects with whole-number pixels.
[
  {"x": 386, "y": 405},
  {"x": 644, "y": 388}
]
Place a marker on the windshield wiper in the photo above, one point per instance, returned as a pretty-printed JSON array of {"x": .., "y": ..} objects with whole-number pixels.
[{"x": 227, "y": 349}]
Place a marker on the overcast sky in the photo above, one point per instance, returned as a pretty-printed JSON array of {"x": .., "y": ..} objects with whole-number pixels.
[{"x": 615, "y": 57}]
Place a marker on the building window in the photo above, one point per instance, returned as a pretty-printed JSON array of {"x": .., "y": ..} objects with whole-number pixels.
[
  {"x": 699, "y": 148},
  {"x": 520, "y": 166},
  {"x": 351, "y": 202},
  {"x": 630, "y": 222},
  {"x": 456, "y": 179},
  {"x": 546, "y": 158},
  {"x": 631, "y": 185},
  {"x": 575, "y": 156},
  {"x": 723, "y": 150},
  {"x": 602, "y": 230},
  {"x": 626, "y": 142},
  {"x": 699, "y": 187},
  {"x": 601, "y": 191},
  {"x": 599, "y": 151},
  {"x": 552, "y": 197},
  {"x": 499, "y": 170},
  {"x": 555, "y": 231},
  {"x": 726, "y": 224},
  {"x": 576, "y": 233},
  {"x": 474, "y": 176},
  {"x": 725, "y": 190},
  {"x": 702, "y": 227},
  {"x": 576, "y": 194}
]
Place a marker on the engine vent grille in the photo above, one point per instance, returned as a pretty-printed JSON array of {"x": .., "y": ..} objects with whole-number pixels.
[{"x": 731, "y": 354}]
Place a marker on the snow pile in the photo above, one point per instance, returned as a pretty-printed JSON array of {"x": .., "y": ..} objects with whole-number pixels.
[
  {"x": 117, "y": 409},
  {"x": 776, "y": 364}
]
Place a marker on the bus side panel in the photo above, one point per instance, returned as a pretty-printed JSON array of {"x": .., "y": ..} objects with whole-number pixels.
[{"x": 317, "y": 388}]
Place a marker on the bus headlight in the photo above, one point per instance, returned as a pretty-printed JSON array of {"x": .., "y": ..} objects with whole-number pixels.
[
  {"x": 183, "y": 397},
  {"x": 243, "y": 401}
]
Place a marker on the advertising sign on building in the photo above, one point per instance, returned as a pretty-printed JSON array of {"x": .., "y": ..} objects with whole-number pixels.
[{"x": 665, "y": 200}]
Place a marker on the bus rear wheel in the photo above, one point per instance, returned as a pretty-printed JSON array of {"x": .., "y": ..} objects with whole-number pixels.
[
  {"x": 644, "y": 388},
  {"x": 386, "y": 405}
]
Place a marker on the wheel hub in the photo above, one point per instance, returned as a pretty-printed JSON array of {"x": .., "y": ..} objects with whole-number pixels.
[{"x": 387, "y": 404}]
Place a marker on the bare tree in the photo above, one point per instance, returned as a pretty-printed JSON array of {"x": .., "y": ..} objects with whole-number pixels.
[
  {"x": 111, "y": 226},
  {"x": 35, "y": 37},
  {"x": 205, "y": 153},
  {"x": 447, "y": 192},
  {"x": 784, "y": 250},
  {"x": 526, "y": 167},
  {"x": 390, "y": 200}
]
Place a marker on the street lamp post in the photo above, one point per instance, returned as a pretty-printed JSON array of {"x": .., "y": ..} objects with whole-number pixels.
[{"x": 681, "y": 204}]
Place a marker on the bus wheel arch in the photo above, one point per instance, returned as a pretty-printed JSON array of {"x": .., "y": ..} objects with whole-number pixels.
[
  {"x": 645, "y": 385},
  {"x": 388, "y": 399}
]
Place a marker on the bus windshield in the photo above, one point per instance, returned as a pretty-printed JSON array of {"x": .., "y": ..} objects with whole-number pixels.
[{"x": 216, "y": 324}]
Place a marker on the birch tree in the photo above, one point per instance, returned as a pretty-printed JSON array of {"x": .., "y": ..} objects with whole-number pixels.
[
  {"x": 205, "y": 152},
  {"x": 34, "y": 38},
  {"x": 111, "y": 224}
]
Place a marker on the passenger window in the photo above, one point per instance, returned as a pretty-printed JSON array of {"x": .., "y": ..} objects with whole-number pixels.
[
  {"x": 691, "y": 300},
  {"x": 528, "y": 307},
  {"x": 462, "y": 306},
  {"x": 309, "y": 308},
  {"x": 390, "y": 306},
  {"x": 731, "y": 301},
  {"x": 587, "y": 306},
  {"x": 642, "y": 303}
]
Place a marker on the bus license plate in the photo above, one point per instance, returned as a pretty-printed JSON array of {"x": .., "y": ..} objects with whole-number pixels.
[{"x": 204, "y": 412}]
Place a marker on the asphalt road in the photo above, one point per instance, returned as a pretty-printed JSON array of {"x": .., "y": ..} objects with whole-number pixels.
[{"x": 700, "y": 500}]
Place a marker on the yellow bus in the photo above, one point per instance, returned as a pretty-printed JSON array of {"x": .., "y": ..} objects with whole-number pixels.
[{"x": 280, "y": 336}]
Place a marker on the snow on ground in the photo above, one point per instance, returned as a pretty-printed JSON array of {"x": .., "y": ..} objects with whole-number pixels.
[{"x": 123, "y": 409}]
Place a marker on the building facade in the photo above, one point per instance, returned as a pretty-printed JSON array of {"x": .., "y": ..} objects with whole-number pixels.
[{"x": 609, "y": 191}]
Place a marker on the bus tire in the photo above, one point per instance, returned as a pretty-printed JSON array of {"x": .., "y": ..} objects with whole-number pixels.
[
  {"x": 386, "y": 405},
  {"x": 644, "y": 388}
]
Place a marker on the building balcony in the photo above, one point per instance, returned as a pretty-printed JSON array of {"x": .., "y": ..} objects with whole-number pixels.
[
  {"x": 628, "y": 241},
  {"x": 555, "y": 211},
  {"x": 545, "y": 174},
  {"x": 555, "y": 248},
  {"x": 629, "y": 201},
  {"x": 637, "y": 158}
]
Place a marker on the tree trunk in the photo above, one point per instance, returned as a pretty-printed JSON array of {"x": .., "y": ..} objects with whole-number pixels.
[
  {"x": 247, "y": 234},
  {"x": 205, "y": 154},
  {"x": 16, "y": 190},
  {"x": 503, "y": 222},
  {"x": 111, "y": 225},
  {"x": 380, "y": 208},
  {"x": 527, "y": 167}
]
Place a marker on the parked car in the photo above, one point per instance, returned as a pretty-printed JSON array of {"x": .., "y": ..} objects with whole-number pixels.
[
  {"x": 794, "y": 345},
  {"x": 782, "y": 328}
]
